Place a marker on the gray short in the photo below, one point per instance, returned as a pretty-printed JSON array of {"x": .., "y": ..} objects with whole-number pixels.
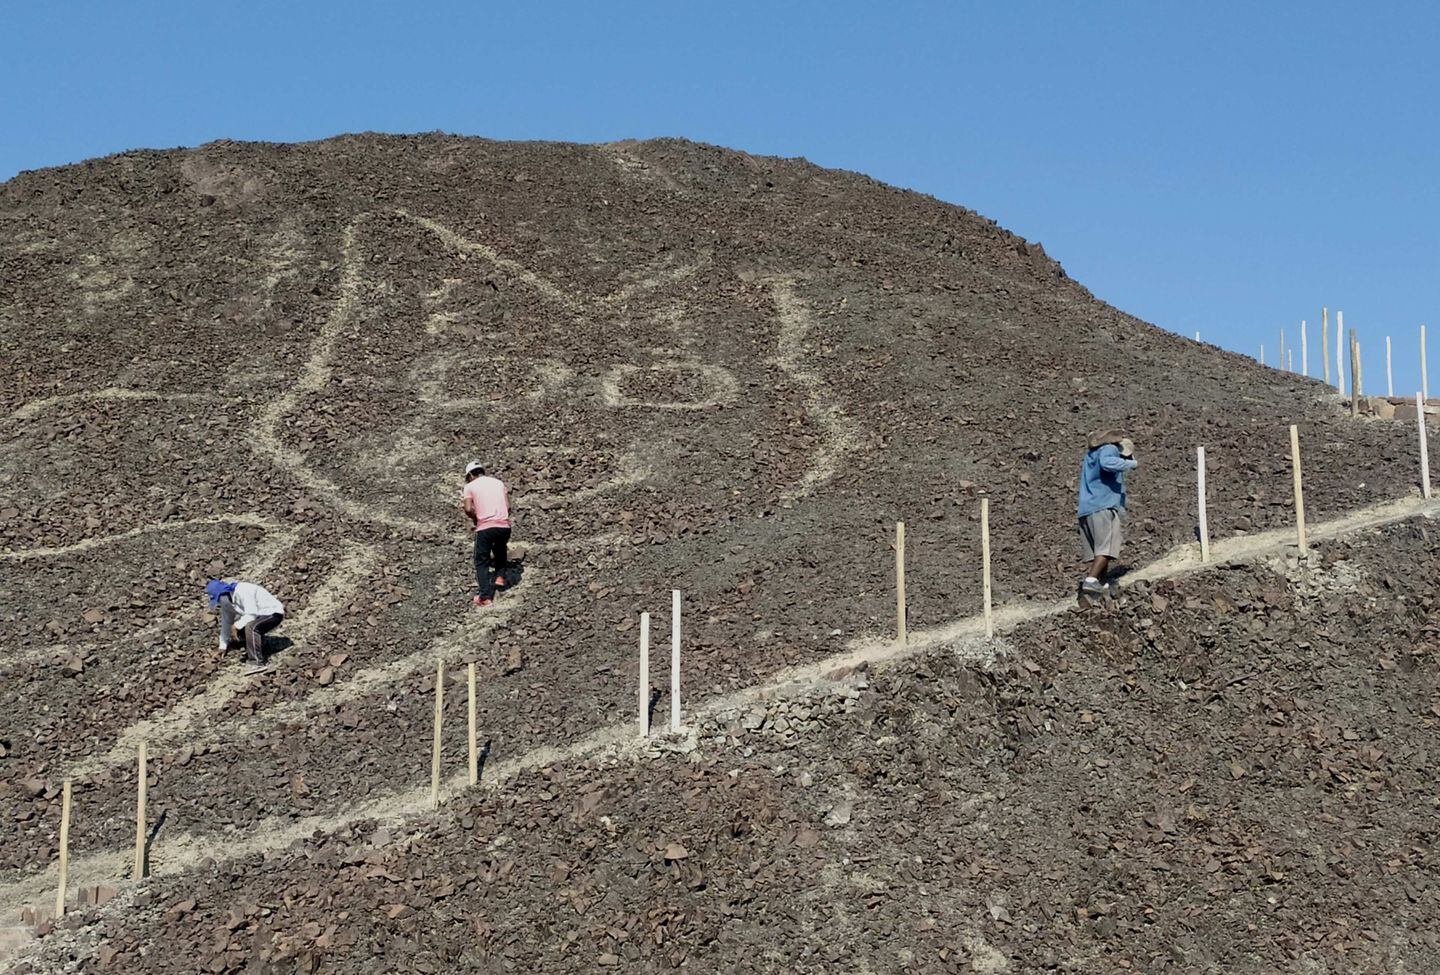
[{"x": 1100, "y": 534}]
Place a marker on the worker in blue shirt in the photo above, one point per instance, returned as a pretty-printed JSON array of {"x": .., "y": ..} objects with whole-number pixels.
[{"x": 1102, "y": 504}]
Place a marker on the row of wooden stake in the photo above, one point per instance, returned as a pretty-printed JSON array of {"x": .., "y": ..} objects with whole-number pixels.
[
  {"x": 474, "y": 741},
  {"x": 901, "y": 621},
  {"x": 901, "y": 630},
  {"x": 1298, "y": 480},
  {"x": 473, "y": 751},
  {"x": 1287, "y": 358},
  {"x": 644, "y": 691},
  {"x": 66, "y": 794}
]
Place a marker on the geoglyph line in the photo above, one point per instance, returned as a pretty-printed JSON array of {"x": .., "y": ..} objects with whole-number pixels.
[
  {"x": 178, "y": 853},
  {"x": 35, "y": 407},
  {"x": 87, "y": 544},
  {"x": 465, "y": 245},
  {"x": 283, "y": 540},
  {"x": 453, "y": 645},
  {"x": 313, "y": 377},
  {"x": 178, "y": 722},
  {"x": 838, "y": 431}
]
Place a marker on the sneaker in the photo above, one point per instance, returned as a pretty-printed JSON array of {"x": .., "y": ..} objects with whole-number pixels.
[
  {"x": 1089, "y": 588},
  {"x": 252, "y": 669},
  {"x": 500, "y": 581},
  {"x": 479, "y": 603}
]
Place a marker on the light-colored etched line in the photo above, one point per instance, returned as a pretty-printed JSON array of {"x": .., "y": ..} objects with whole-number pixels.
[
  {"x": 277, "y": 541},
  {"x": 631, "y": 472},
  {"x": 38, "y": 406},
  {"x": 179, "y": 723},
  {"x": 653, "y": 280},
  {"x": 454, "y": 644},
  {"x": 87, "y": 544},
  {"x": 838, "y": 432},
  {"x": 724, "y": 387},
  {"x": 181, "y": 852},
  {"x": 314, "y": 375},
  {"x": 455, "y": 241}
]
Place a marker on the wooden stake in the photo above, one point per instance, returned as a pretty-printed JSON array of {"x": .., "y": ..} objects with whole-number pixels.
[
  {"x": 1200, "y": 490},
  {"x": 1354, "y": 374},
  {"x": 985, "y": 564},
  {"x": 674, "y": 659},
  {"x": 1325, "y": 341},
  {"x": 141, "y": 769},
  {"x": 1389, "y": 379},
  {"x": 1299, "y": 487},
  {"x": 474, "y": 741},
  {"x": 1304, "y": 348},
  {"x": 1339, "y": 363},
  {"x": 435, "y": 751},
  {"x": 644, "y": 697},
  {"x": 900, "y": 583},
  {"x": 64, "y": 849},
  {"x": 1424, "y": 446},
  {"x": 1424, "y": 380}
]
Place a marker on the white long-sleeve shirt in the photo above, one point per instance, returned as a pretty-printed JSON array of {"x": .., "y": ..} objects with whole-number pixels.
[{"x": 252, "y": 602}]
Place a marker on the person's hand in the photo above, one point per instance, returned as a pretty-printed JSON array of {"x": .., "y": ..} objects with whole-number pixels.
[{"x": 1127, "y": 447}]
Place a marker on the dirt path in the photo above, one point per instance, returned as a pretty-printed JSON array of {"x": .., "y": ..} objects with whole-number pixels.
[{"x": 176, "y": 853}]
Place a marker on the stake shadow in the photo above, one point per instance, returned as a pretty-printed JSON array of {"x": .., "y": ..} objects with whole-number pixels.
[
  {"x": 481, "y": 758},
  {"x": 150, "y": 841}
]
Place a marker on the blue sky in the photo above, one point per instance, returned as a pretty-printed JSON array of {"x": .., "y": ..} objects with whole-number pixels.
[{"x": 1221, "y": 167}]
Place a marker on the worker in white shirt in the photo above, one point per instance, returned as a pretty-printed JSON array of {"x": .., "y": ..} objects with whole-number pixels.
[{"x": 247, "y": 611}]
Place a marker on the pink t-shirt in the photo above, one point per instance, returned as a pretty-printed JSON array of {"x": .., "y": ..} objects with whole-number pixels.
[{"x": 490, "y": 502}]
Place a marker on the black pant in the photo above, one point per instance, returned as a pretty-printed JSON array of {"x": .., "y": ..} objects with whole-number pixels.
[
  {"x": 490, "y": 552},
  {"x": 255, "y": 636}
]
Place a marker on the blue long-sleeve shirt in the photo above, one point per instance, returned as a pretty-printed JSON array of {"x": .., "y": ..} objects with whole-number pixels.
[{"x": 1102, "y": 479}]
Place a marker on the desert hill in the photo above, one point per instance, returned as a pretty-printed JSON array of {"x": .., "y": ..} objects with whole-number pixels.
[{"x": 697, "y": 370}]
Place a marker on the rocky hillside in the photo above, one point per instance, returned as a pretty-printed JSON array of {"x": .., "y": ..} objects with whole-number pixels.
[
  {"x": 1227, "y": 773},
  {"x": 696, "y": 369}
]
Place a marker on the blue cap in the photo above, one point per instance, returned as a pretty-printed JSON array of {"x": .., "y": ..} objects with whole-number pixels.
[{"x": 215, "y": 589}]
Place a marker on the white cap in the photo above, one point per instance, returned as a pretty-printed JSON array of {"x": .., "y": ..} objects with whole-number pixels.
[{"x": 472, "y": 467}]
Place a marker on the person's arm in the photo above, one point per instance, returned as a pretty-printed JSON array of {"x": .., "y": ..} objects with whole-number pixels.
[
  {"x": 1111, "y": 460},
  {"x": 227, "y": 620},
  {"x": 469, "y": 505}
]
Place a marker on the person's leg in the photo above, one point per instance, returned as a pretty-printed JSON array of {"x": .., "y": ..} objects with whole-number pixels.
[
  {"x": 254, "y": 645},
  {"x": 1114, "y": 538},
  {"x": 1098, "y": 567},
  {"x": 484, "y": 544},
  {"x": 500, "y": 552},
  {"x": 482, "y": 565},
  {"x": 255, "y": 637}
]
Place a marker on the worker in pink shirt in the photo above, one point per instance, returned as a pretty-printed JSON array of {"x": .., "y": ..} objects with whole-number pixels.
[{"x": 487, "y": 506}]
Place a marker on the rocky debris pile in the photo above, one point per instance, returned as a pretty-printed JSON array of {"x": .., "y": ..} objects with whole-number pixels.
[{"x": 1228, "y": 772}]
